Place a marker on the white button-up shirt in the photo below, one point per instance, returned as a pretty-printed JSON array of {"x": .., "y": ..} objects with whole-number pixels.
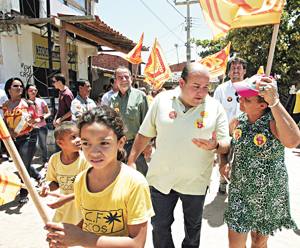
[
  {"x": 226, "y": 94},
  {"x": 178, "y": 163}
]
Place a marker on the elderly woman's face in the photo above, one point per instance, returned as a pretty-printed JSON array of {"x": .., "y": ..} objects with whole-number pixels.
[
  {"x": 16, "y": 89},
  {"x": 250, "y": 104}
]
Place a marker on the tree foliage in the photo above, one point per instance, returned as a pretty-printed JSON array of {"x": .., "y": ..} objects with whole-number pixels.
[{"x": 253, "y": 44}]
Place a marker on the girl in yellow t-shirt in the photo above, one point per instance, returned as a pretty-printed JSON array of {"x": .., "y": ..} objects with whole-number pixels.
[{"x": 114, "y": 199}]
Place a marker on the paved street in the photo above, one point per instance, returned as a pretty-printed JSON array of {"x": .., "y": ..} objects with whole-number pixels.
[{"x": 22, "y": 227}]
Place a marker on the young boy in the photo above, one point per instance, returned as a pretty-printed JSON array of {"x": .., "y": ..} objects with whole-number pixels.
[{"x": 63, "y": 167}]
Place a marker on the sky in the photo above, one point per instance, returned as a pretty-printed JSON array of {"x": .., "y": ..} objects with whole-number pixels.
[{"x": 133, "y": 17}]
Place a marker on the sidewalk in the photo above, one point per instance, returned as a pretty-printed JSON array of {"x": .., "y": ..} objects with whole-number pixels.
[{"x": 22, "y": 227}]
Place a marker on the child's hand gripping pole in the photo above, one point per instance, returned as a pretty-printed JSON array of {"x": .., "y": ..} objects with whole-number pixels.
[{"x": 14, "y": 154}]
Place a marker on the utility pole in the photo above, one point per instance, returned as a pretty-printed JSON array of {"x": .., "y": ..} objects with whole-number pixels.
[
  {"x": 50, "y": 60},
  {"x": 188, "y": 27}
]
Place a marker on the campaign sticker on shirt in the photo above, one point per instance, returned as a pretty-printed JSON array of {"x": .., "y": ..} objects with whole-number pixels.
[
  {"x": 204, "y": 114},
  {"x": 172, "y": 115},
  {"x": 259, "y": 139},
  {"x": 229, "y": 99},
  {"x": 237, "y": 133},
  {"x": 199, "y": 123}
]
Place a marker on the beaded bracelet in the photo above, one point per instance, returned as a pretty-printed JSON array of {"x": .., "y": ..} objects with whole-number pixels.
[{"x": 275, "y": 103}]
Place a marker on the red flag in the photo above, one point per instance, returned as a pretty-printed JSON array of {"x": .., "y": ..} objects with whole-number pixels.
[
  {"x": 217, "y": 63},
  {"x": 223, "y": 15},
  {"x": 135, "y": 55},
  {"x": 157, "y": 71}
]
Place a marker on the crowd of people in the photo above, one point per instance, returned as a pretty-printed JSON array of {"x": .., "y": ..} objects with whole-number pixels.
[{"x": 107, "y": 190}]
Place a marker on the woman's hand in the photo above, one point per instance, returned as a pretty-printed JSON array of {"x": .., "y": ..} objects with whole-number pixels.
[
  {"x": 268, "y": 90},
  {"x": 225, "y": 171}
]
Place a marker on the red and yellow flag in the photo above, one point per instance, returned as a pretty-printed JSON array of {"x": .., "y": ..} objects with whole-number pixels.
[
  {"x": 157, "y": 71},
  {"x": 135, "y": 55},
  {"x": 10, "y": 185},
  {"x": 223, "y": 15},
  {"x": 4, "y": 134},
  {"x": 217, "y": 63}
]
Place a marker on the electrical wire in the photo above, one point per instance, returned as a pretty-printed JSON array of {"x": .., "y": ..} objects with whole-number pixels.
[
  {"x": 175, "y": 9},
  {"x": 160, "y": 20}
]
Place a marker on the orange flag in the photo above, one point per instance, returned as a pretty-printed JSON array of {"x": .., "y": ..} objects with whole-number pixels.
[
  {"x": 157, "y": 71},
  {"x": 217, "y": 63},
  {"x": 4, "y": 134},
  {"x": 135, "y": 55},
  {"x": 223, "y": 15},
  {"x": 10, "y": 185}
]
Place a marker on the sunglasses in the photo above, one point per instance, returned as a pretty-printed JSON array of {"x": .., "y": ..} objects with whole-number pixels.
[{"x": 17, "y": 86}]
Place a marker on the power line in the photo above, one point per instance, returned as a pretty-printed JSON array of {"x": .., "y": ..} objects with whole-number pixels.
[
  {"x": 175, "y": 9},
  {"x": 160, "y": 20}
]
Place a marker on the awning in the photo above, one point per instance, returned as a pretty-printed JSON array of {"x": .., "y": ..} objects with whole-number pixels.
[{"x": 98, "y": 32}]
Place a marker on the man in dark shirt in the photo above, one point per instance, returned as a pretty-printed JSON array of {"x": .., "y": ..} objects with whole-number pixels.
[{"x": 64, "y": 100}]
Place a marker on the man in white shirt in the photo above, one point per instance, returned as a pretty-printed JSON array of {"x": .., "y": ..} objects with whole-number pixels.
[
  {"x": 82, "y": 102},
  {"x": 189, "y": 126},
  {"x": 226, "y": 94},
  {"x": 107, "y": 96}
]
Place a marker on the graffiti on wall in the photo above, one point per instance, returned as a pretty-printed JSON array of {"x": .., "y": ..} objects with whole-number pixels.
[{"x": 26, "y": 71}]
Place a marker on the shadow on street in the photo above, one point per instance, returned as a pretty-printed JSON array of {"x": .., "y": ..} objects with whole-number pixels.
[{"x": 214, "y": 212}]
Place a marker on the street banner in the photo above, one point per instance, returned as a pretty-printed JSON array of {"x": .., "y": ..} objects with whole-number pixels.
[
  {"x": 217, "y": 63},
  {"x": 135, "y": 55},
  {"x": 10, "y": 185},
  {"x": 223, "y": 15},
  {"x": 157, "y": 71}
]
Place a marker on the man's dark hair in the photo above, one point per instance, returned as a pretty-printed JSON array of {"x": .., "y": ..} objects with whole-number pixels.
[
  {"x": 81, "y": 82},
  {"x": 60, "y": 77},
  {"x": 237, "y": 60}
]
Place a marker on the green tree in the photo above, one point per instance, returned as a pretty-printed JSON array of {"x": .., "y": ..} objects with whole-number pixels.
[{"x": 253, "y": 44}]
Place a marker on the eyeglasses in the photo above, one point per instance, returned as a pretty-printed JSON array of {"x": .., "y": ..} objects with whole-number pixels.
[{"x": 17, "y": 86}]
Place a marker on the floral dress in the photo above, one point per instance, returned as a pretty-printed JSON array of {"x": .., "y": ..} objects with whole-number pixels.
[{"x": 258, "y": 197}]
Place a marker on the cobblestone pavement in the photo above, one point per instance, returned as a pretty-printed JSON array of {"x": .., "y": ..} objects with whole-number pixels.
[{"x": 23, "y": 228}]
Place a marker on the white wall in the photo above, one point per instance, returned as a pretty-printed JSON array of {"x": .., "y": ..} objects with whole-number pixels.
[
  {"x": 84, "y": 51},
  {"x": 57, "y": 7},
  {"x": 16, "y": 52}
]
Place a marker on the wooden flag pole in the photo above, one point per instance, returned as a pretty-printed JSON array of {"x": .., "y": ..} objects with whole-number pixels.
[
  {"x": 272, "y": 49},
  {"x": 14, "y": 154}
]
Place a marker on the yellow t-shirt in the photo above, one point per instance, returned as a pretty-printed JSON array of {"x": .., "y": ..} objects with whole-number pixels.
[
  {"x": 65, "y": 175},
  {"x": 124, "y": 202}
]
